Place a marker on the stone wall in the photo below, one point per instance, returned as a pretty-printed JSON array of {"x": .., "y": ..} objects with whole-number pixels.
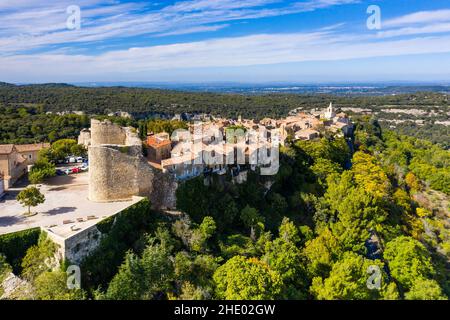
[
  {"x": 163, "y": 195},
  {"x": 118, "y": 170},
  {"x": 105, "y": 132},
  {"x": 84, "y": 138},
  {"x": 77, "y": 247},
  {"x": 113, "y": 174}
]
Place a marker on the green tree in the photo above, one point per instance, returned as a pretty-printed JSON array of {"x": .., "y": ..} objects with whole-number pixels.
[
  {"x": 5, "y": 269},
  {"x": 323, "y": 168},
  {"x": 193, "y": 275},
  {"x": 358, "y": 214},
  {"x": 201, "y": 235},
  {"x": 251, "y": 219},
  {"x": 52, "y": 285},
  {"x": 39, "y": 258},
  {"x": 63, "y": 148},
  {"x": 408, "y": 260},
  {"x": 42, "y": 169},
  {"x": 369, "y": 175},
  {"x": 242, "y": 278},
  {"x": 128, "y": 283},
  {"x": 30, "y": 197},
  {"x": 425, "y": 289},
  {"x": 142, "y": 278},
  {"x": 283, "y": 256},
  {"x": 348, "y": 280},
  {"x": 321, "y": 253}
]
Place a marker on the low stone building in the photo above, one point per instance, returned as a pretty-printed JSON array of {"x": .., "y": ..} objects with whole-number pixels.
[
  {"x": 12, "y": 165},
  {"x": 30, "y": 152},
  {"x": 306, "y": 134},
  {"x": 159, "y": 147},
  {"x": 14, "y": 159}
]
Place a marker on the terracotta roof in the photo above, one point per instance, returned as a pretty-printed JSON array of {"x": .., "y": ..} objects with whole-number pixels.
[
  {"x": 154, "y": 142},
  {"x": 6, "y": 148},
  {"x": 31, "y": 147}
]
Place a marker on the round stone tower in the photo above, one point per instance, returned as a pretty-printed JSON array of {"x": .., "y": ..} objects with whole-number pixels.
[{"x": 115, "y": 157}]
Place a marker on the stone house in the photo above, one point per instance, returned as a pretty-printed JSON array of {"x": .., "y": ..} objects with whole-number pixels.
[
  {"x": 159, "y": 147},
  {"x": 306, "y": 134},
  {"x": 12, "y": 164},
  {"x": 14, "y": 160},
  {"x": 30, "y": 152}
]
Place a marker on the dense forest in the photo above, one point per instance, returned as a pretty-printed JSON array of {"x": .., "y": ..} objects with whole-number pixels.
[
  {"x": 319, "y": 229},
  {"x": 59, "y": 97}
]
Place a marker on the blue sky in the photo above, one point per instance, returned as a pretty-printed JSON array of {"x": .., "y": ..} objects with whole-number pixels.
[{"x": 224, "y": 40}]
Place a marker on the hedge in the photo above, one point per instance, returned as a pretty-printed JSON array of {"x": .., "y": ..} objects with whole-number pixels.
[{"x": 15, "y": 245}]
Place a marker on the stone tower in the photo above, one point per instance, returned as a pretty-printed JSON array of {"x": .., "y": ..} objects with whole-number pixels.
[
  {"x": 329, "y": 113},
  {"x": 118, "y": 170}
]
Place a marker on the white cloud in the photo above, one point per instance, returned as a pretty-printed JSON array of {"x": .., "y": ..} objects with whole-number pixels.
[
  {"x": 194, "y": 30},
  {"x": 419, "y": 17},
  {"x": 432, "y": 28},
  {"x": 115, "y": 21},
  {"x": 263, "y": 49},
  {"x": 35, "y": 25}
]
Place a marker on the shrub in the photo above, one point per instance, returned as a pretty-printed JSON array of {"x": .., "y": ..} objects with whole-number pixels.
[{"x": 15, "y": 245}]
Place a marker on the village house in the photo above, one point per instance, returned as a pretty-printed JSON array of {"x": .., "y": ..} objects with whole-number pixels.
[
  {"x": 306, "y": 134},
  {"x": 158, "y": 147},
  {"x": 12, "y": 164},
  {"x": 14, "y": 160},
  {"x": 213, "y": 146},
  {"x": 30, "y": 151}
]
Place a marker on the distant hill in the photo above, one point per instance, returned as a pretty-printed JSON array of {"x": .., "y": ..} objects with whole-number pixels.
[
  {"x": 5, "y": 84},
  {"x": 143, "y": 102}
]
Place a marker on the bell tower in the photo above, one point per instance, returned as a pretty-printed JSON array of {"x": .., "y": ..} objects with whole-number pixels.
[{"x": 329, "y": 114}]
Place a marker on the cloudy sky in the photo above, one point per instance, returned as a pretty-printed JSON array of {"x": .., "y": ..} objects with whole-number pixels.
[{"x": 224, "y": 40}]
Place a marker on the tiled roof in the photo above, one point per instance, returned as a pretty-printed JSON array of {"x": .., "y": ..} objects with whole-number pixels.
[
  {"x": 6, "y": 148},
  {"x": 157, "y": 143},
  {"x": 31, "y": 147}
]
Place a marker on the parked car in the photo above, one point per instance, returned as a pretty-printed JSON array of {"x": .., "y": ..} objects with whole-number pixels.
[
  {"x": 70, "y": 159},
  {"x": 80, "y": 159},
  {"x": 84, "y": 167},
  {"x": 76, "y": 170},
  {"x": 68, "y": 171},
  {"x": 60, "y": 172}
]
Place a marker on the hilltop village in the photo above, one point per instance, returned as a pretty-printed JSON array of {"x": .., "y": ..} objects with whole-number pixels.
[
  {"x": 123, "y": 169},
  {"x": 178, "y": 155},
  {"x": 195, "y": 198}
]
